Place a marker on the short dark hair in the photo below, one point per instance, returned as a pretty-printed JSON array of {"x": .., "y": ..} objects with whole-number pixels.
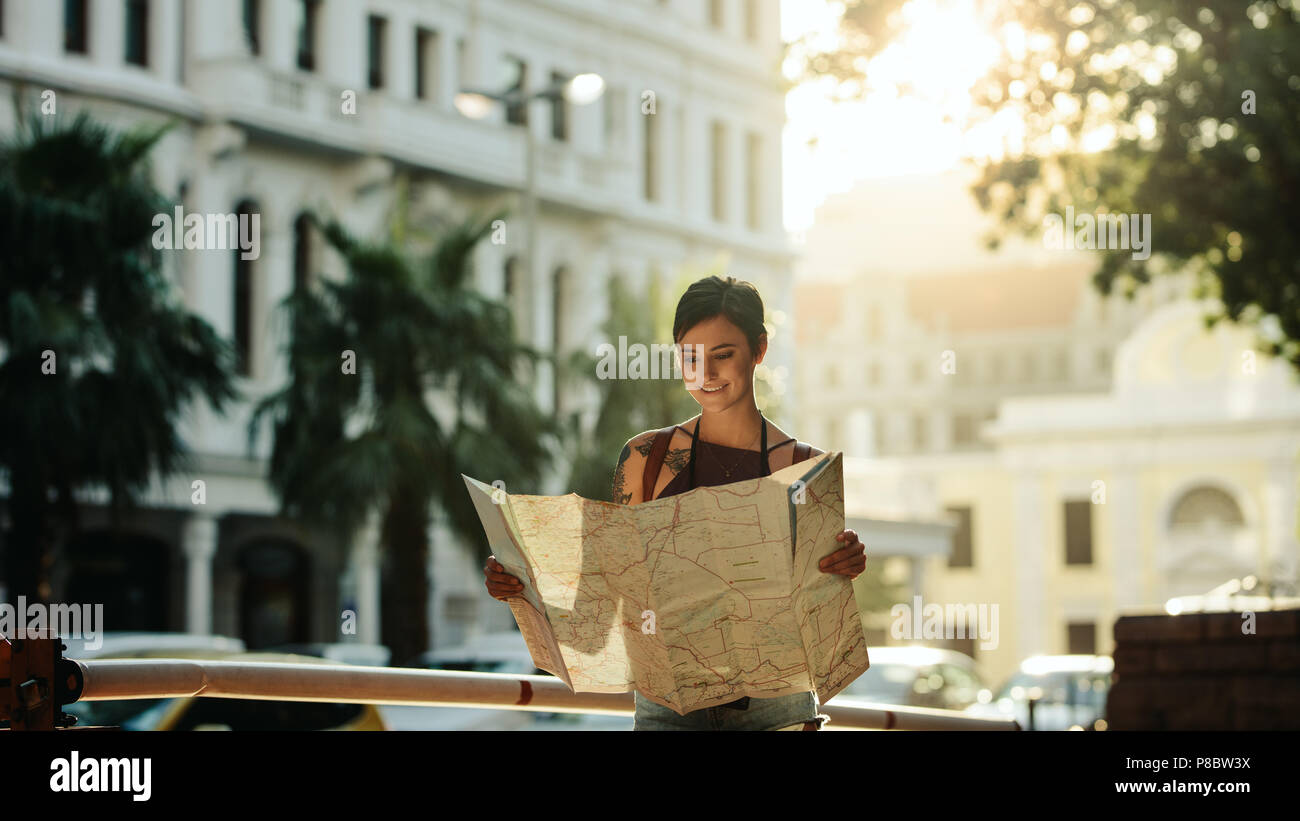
[{"x": 712, "y": 296}]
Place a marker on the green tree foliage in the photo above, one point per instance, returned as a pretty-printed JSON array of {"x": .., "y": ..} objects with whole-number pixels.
[
  {"x": 434, "y": 395},
  {"x": 82, "y": 295},
  {"x": 1202, "y": 101},
  {"x": 627, "y": 406}
]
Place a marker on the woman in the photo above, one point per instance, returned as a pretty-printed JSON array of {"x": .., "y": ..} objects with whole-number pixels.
[{"x": 724, "y": 320}]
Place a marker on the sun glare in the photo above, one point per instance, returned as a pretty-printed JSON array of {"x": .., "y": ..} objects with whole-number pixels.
[{"x": 908, "y": 122}]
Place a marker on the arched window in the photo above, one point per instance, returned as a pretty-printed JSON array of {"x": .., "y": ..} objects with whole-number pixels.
[
  {"x": 1202, "y": 505},
  {"x": 274, "y": 593},
  {"x": 243, "y": 296}
]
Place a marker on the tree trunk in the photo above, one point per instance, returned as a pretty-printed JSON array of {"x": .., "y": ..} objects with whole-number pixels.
[
  {"x": 406, "y": 589},
  {"x": 27, "y": 543}
]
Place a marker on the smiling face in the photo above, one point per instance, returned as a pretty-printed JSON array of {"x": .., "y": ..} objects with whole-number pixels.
[{"x": 725, "y": 375}]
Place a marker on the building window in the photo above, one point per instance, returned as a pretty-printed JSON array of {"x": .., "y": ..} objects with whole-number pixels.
[
  {"x": 753, "y": 181},
  {"x": 559, "y": 294},
  {"x": 963, "y": 550},
  {"x": 1029, "y": 371},
  {"x": 516, "y": 81},
  {"x": 376, "y": 31},
  {"x": 1078, "y": 532},
  {"x": 1103, "y": 361},
  {"x": 1081, "y": 638},
  {"x": 74, "y": 26},
  {"x": 751, "y": 19},
  {"x": 650, "y": 164},
  {"x": 308, "y": 11},
  {"x": 716, "y": 18},
  {"x": 510, "y": 281},
  {"x": 426, "y": 58},
  {"x": 253, "y": 25},
  {"x": 718, "y": 156},
  {"x": 559, "y": 110},
  {"x": 462, "y": 63},
  {"x": 302, "y": 253},
  {"x": 137, "y": 32},
  {"x": 243, "y": 302},
  {"x": 995, "y": 368},
  {"x": 920, "y": 432},
  {"x": 963, "y": 429}
]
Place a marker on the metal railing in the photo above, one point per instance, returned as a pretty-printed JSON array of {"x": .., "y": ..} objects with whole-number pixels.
[
  {"x": 168, "y": 678},
  {"x": 35, "y": 682}
]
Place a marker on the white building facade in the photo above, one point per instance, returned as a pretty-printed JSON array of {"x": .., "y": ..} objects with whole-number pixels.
[
  {"x": 1095, "y": 454},
  {"x": 287, "y": 105}
]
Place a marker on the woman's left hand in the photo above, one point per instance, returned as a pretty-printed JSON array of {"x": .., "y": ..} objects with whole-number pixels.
[{"x": 849, "y": 560}]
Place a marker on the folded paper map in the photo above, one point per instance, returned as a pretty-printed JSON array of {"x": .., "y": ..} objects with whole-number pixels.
[{"x": 694, "y": 599}]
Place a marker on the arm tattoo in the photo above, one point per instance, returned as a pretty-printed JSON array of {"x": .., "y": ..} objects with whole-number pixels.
[
  {"x": 676, "y": 460},
  {"x": 618, "y": 495}
]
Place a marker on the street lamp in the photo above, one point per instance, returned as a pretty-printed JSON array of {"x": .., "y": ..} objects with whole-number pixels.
[{"x": 580, "y": 89}]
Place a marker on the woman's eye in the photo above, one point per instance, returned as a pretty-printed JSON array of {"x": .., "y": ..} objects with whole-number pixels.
[{"x": 723, "y": 356}]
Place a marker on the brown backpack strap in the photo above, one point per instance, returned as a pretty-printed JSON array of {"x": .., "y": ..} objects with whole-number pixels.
[
  {"x": 655, "y": 460},
  {"x": 802, "y": 450}
]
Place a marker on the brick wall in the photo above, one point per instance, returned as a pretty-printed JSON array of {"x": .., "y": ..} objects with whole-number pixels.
[{"x": 1200, "y": 671}]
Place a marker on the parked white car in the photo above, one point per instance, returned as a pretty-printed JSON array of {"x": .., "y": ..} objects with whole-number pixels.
[
  {"x": 1069, "y": 692},
  {"x": 916, "y": 676}
]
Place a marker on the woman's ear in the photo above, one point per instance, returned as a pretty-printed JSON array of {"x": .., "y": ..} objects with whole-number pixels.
[{"x": 762, "y": 348}]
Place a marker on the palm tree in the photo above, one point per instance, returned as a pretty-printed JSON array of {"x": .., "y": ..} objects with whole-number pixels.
[
  {"x": 97, "y": 357},
  {"x": 348, "y": 443}
]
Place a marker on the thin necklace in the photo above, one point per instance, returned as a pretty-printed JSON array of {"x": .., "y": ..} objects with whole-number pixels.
[{"x": 726, "y": 471}]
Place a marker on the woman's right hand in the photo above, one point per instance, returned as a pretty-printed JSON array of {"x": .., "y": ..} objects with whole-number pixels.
[{"x": 500, "y": 584}]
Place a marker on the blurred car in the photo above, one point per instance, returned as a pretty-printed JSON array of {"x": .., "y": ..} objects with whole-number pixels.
[
  {"x": 928, "y": 677},
  {"x": 365, "y": 655},
  {"x": 1237, "y": 595},
  {"x": 211, "y": 713},
  {"x": 113, "y": 644},
  {"x": 504, "y": 652},
  {"x": 1069, "y": 692}
]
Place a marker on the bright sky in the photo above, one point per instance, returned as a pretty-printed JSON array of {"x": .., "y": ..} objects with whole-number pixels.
[{"x": 829, "y": 146}]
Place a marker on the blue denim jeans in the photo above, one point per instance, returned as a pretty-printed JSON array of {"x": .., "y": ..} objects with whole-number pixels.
[{"x": 782, "y": 712}]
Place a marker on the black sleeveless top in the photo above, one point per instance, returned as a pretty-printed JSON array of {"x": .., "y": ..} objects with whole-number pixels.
[{"x": 709, "y": 463}]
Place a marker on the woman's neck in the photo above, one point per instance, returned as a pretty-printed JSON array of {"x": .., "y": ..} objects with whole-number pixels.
[{"x": 736, "y": 427}]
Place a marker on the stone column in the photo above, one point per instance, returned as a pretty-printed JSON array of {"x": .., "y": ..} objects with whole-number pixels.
[
  {"x": 1030, "y": 563},
  {"x": 199, "y": 541},
  {"x": 105, "y": 33},
  {"x": 364, "y": 561},
  {"x": 1125, "y": 512},
  {"x": 1281, "y": 549}
]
